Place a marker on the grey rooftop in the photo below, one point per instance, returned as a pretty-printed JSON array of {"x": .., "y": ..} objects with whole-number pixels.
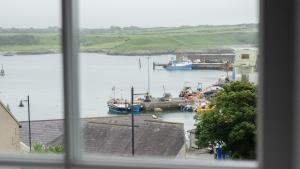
[{"x": 112, "y": 135}]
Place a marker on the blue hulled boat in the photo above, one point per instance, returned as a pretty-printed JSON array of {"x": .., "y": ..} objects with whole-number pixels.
[
  {"x": 117, "y": 106},
  {"x": 184, "y": 65}
]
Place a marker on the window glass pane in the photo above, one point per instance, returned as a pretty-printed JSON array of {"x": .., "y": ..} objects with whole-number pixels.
[
  {"x": 176, "y": 54},
  {"x": 30, "y": 76}
]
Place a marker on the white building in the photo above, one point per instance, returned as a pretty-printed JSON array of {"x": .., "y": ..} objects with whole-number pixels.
[{"x": 245, "y": 63}]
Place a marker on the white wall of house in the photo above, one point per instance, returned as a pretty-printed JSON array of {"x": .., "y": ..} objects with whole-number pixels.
[
  {"x": 192, "y": 140},
  {"x": 9, "y": 132}
]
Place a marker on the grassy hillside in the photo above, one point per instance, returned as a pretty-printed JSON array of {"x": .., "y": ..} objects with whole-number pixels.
[{"x": 134, "y": 40}]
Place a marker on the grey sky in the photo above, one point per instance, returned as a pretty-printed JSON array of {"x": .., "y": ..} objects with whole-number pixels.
[{"x": 143, "y": 13}]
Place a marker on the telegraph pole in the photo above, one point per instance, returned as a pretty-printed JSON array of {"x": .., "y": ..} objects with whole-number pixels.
[
  {"x": 132, "y": 121},
  {"x": 148, "y": 74}
]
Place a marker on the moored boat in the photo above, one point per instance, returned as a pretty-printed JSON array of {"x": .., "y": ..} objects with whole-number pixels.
[
  {"x": 118, "y": 106},
  {"x": 187, "y": 90},
  {"x": 183, "y": 65},
  {"x": 203, "y": 106},
  {"x": 2, "y": 72},
  {"x": 8, "y": 54}
]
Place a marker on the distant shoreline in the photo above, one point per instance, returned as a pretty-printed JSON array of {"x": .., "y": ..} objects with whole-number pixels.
[
  {"x": 227, "y": 49},
  {"x": 223, "y": 49},
  {"x": 131, "y": 41}
]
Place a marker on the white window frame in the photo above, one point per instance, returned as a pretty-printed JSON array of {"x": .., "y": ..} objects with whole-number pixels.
[{"x": 278, "y": 130}]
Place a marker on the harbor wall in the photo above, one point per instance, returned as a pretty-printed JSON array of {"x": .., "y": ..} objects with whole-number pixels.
[
  {"x": 207, "y": 57},
  {"x": 175, "y": 103}
]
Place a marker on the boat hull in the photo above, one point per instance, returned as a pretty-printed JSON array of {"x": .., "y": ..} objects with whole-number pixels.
[
  {"x": 179, "y": 67},
  {"x": 136, "y": 107},
  {"x": 118, "y": 110}
]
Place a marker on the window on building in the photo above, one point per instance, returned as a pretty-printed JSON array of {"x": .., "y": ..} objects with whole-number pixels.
[{"x": 245, "y": 56}]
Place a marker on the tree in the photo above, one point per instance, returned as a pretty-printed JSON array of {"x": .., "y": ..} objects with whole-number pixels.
[{"x": 232, "y": 122}]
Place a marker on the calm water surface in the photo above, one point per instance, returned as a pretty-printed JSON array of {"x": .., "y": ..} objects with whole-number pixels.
[{"x": 40, "y": 76}]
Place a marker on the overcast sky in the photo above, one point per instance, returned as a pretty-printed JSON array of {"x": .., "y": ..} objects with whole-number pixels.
[{"x": 143, "y": 13}]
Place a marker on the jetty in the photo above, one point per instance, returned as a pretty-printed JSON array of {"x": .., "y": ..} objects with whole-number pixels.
[
  {"x": 210, "y": 59},
  {"x": 174, "y": 103},
  {"x": 201, "y": 66}
]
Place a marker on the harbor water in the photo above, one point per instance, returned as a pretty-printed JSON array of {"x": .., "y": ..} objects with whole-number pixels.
[{"x": 40, "y": 76}]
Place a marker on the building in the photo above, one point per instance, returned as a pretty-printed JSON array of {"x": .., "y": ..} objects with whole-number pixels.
[
  {"x": 112, "y": 136},
  {"x": 192, "y": 139},
  {"x": 245, "y": 63},
  {"x": 9, "y": 129}
]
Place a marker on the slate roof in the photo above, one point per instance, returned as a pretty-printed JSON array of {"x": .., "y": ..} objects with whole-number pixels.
[{"x": 112, "y": 135}]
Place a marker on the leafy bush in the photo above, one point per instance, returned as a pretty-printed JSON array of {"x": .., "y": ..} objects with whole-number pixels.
[{"x": 40, "y": 148}]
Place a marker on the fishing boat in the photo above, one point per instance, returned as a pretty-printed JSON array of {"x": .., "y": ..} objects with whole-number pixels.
[
  {"x": 187, "y": 108},
  {"x": 118, "y": 106},
  {"x": 203, "y": 106},
  {"x": 183, "y": 65},
  {"x": 2, "y": 72},
  {"x": 8, "y": 54},
  {"x": 209, "y": 91},
  {"x": 136, "y": 107},
  {"x": 187, "y": 90}
]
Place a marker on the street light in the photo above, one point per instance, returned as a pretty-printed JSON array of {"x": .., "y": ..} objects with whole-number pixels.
[
  {"x": 132, "y": 116},
  {"x": 28, "y": 108}
]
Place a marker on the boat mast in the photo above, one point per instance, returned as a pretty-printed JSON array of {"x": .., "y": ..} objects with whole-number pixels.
[
  {"x": 140, "y": 64},
  {"x": 121, "y": 93},
  {"x": 114, "y": 90}
]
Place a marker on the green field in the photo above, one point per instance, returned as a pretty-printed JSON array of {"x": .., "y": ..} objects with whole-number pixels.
[{"x": 134, "y": 40}]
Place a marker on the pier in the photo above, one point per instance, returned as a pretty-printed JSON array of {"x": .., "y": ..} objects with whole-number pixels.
[
  {"x": 210, "y": 59},
  {"x": 174, "y": 103},
  {"x": 201, "y": 66},
  {"x": 208, "y": 55}
]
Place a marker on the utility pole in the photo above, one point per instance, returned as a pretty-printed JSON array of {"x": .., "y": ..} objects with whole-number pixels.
[
  {"x": 132, "y": 121},
  {"x": 148, "y": 74}
]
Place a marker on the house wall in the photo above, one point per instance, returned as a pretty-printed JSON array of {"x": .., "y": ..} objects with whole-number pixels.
[{"x": 9, "y": 132}]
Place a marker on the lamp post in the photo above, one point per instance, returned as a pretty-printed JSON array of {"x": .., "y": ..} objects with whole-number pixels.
[
  {"x": 29, "y": 127},
  {"x": 132, "y": 116}
]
